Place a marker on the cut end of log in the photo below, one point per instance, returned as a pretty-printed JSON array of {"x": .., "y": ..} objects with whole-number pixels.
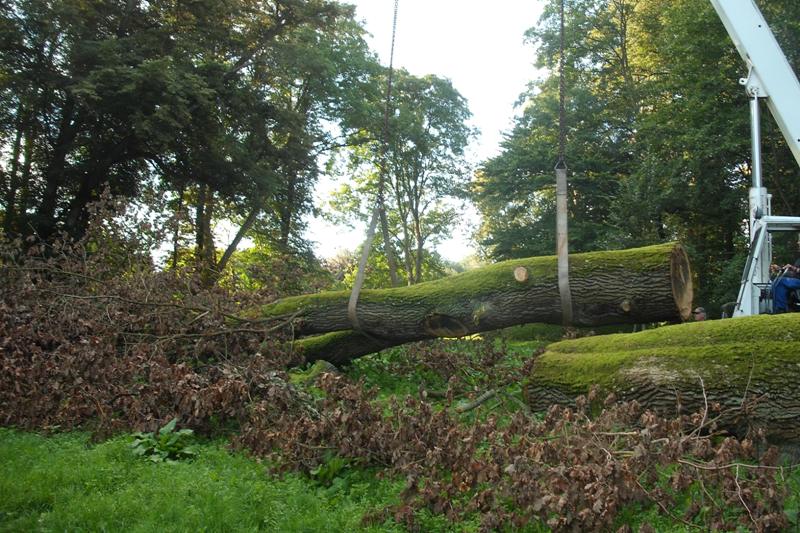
[
  {"x": 521, "y": 274},
  {"x": 681, "y": 279}
]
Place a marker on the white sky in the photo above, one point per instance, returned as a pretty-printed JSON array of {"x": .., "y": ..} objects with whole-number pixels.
[{"x": 476, "y": 44}]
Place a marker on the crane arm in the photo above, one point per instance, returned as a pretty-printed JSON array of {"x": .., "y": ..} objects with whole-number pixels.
[{"x": 770, "y": 77}]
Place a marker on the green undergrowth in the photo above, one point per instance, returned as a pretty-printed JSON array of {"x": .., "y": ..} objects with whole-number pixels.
[
  {"x": 700, "y": 497},
  {"x": 549, "y": 333},
  {"x": 407, "y": 370},
  {"x": 736, "y": 349},
  {"x": 533, "y": 332},
  {"x": 388, "y": 372},
  {"x": 64, "y": 483}
]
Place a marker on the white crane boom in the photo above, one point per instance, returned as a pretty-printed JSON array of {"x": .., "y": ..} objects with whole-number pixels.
[
  {"x": 770, "y": 73},
  {"x": 771, "y": 78}
]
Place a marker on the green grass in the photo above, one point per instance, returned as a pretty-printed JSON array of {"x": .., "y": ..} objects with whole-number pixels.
[
  {"x": 550, "y": 333},
  {"x": 65, "y": 483},
  {"x": 390, "y": 373},
  {"x": 62, "y": 483},
  {"x": 378, "y": 370},
  {"x": 792, "y": 507}
]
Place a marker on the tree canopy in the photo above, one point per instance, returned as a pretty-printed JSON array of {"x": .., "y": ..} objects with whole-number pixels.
[
  {"x": 424, "y": 167},
  {"x": 220, "y": 106},
  {"x": 658, "y": 137},
  {"x": 229, "y": 112}
]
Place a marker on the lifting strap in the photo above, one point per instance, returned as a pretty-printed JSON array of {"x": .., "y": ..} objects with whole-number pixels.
[
  {"x": 562, "y": 242},
  {"x": 352, "y": 304}
]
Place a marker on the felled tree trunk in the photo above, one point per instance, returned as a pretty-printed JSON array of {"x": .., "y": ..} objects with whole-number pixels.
[
  {"x": 640, "y": 285},
  {"x": 686, "y": 367}
]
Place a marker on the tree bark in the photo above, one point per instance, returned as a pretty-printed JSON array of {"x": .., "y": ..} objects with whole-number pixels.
[
  {"x": 206, "y": 254},
  {"x": 176, "y": 234},
  {"x": 243, "y": 229},
  {"x": 45, "y": 218},
  {"x": 387, "y": 246},
  {"x": 686, "y": 368},
  {"x": 9, "y": 218},
  {"x": 642, "y": 285}
]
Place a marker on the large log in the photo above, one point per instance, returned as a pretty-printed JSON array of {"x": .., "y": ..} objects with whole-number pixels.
[
  {"x": 686, "y": 365},
  {"x": 642, "y": 285}
]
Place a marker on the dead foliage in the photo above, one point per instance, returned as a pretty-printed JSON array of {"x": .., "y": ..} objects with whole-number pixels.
[
  {"x": 93, "y": 336},
  {"x": 567, "y": 469},
  {"x": 91, "y": 333}
]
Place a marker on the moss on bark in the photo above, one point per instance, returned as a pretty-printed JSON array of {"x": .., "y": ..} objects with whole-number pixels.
[
  {"x": 627, "y": 286},
  {"x": 756, "y": 356}
]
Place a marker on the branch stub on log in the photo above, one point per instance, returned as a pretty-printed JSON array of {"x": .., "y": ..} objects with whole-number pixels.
[{"x": 521, "y": 274}]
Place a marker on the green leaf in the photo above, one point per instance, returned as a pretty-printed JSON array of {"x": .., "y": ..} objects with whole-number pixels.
[{"x": 169, "y": 427}]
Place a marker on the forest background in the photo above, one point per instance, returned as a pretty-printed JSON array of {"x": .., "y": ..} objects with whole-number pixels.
[{"x": 212, "y": 113}]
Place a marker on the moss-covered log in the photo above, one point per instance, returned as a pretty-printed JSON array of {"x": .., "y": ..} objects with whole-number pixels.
[
  {"x": 629, "y": 286},
  {"x": 758, "y": 357},
  {"x": 341, "y": 347}
]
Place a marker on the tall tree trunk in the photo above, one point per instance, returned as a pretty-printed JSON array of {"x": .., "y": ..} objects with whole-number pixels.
[
  {"x": 45, "y": 223},
  {"x": 176, "y": 236},
  {"x": 206, "y": 253},
  {"x": 25, "y": 183},
  {"x": 9, "y": 219},
  {"x": 75, "y": 222},
  {"x": 209, "y": 248},
  {"x": 420, "y": 249},
  {"x": 408, "y": 257},
  {"x": 199, "y": 222},
  {"x": 387, "y": 246},
  {"x": 286, "y": 212},
  {"x": 243, "y": 229}
]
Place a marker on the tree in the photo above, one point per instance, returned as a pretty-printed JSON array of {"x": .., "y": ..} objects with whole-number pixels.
[
  {"x": 270, "y": 130},
  {"x": 318, "y": 81},
  {"x": 294, "y": 99},
  {"x": 425, "y": 167},
  {"x": 218, "y": 103},
  {"x": 514, "y": 191},
  {"x": 658, "y": 140},
  {"x": 688, "y": 368}
]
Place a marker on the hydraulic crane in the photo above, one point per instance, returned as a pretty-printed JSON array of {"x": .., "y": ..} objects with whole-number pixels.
[{"x": 770, "y": 78}]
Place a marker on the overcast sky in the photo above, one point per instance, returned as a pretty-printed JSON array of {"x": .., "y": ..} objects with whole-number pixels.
[{"x": 476, "y": 44}]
